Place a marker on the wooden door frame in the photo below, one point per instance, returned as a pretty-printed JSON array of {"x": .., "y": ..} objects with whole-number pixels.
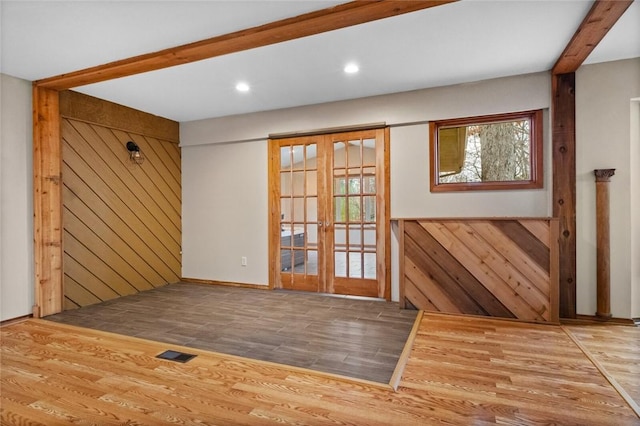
[{"x": 383, "y": 205}]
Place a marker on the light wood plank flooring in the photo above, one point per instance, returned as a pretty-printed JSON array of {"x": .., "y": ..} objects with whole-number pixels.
[
  {"x": 617, "y": 351},
  {"x": 461, "y": 371},
  {"x": 356, "y": 337}
]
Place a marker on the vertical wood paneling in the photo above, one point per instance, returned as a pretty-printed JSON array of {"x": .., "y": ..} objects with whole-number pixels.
[
  {"x": 492, "y": 267},
  {"x": 122, "y": 221}
]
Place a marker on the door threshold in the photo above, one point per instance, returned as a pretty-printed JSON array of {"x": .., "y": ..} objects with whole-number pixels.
[{"x": 341, "y": 296}]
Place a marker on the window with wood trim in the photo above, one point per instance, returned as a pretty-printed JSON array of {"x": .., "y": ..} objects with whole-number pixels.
[{"x": 502, "y": 151}]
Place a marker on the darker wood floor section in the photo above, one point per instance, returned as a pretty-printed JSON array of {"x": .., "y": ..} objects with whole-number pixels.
[{"x": 353, "y": 337}]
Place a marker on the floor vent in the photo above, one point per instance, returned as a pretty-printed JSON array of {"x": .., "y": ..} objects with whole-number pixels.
[{"x": 176, "y": 356}]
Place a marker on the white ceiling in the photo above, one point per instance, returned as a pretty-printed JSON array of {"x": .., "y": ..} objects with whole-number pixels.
[{"x": 455, "y": 43}]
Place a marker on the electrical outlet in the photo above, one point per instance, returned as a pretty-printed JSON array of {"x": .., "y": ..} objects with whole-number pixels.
[{"x": 243, "y": 261}]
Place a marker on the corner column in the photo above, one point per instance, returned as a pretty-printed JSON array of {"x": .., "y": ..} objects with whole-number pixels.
[
  {"x": 602, "y": 243},
  {"x": 47, "y": 202}
]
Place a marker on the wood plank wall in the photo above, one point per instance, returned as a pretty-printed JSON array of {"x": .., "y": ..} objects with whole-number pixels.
[
  {"x": 121, "y": 221},
  {"x": 491, "y": 267}
]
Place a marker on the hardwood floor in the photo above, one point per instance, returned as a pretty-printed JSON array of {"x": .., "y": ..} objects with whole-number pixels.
[
  {"x": 461, "y": 371},
  {"x": 356, "y": 337},
  {"x": 616, "y": 350}
]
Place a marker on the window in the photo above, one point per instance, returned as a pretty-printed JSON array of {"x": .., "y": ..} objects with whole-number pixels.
[{"x": 488, "y": 152}]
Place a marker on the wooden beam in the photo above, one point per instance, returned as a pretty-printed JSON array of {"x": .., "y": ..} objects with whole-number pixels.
[
  {"x": 564, "y": 186},
  {"x": 600, "y": 19},
  {"x": 341, "y": 16},
  {"x": 47, "y": 205}
]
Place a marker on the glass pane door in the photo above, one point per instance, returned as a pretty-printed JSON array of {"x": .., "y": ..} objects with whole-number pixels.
[
  {"x": 353, "y": 171},
  {"x": 298, "y": 177}
]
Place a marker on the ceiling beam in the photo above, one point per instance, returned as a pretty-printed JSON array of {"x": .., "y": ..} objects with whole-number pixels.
[
  {"x": 600, "y": 19},
  {"x": 341, "y": 16}
]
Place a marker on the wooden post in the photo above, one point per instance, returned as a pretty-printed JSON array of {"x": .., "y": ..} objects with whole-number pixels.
[
  {"x": 602, "y": 241},
  {"x": 564, "y": 186},
  {"x": 47, "y": 202}
]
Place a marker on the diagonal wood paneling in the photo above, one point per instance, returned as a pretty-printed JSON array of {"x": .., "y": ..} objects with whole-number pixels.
[
  {"x": 494, "y": 267},
  {"x": 122, "y": 222}
]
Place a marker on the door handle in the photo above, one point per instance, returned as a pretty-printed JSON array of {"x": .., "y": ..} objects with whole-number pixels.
[{"x": 319, "y": 224}]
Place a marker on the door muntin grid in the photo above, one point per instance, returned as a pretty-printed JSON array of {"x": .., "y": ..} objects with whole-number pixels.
[
  {"x": 299, "y": 209},
  {"x": 354, "y": 208}
]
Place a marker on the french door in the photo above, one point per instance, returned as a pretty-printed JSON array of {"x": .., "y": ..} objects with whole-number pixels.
[{"x": 329, "y": 224}]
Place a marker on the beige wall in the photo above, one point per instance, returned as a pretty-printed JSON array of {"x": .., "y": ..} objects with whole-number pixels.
[
  {"x": 604, "y": 105},
  {"x": 225, "y": 184},
  {"x": 16, "y": 203},
  {"x": 224, "y": 212}
]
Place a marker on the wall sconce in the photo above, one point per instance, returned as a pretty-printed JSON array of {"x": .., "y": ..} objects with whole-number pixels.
[{"x": 135, "y": 155}]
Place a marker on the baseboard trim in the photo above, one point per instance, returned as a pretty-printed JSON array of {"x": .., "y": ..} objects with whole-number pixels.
[
  {"x": 224, "y": 283},
  {"x": 15, "y": 320},
  {"x": 592, "y": 319}
]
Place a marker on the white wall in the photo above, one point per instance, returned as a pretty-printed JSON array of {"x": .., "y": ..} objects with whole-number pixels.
[
  {"x": 16, "y": 205},
  {"x": 604, "y": 94},
  {"x": 217, "y": 172}
]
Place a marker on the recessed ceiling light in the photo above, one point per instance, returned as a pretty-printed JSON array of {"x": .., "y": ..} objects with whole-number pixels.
[
  {"x": 351, "y": 68},
  {"x": 242, "y": 87}
]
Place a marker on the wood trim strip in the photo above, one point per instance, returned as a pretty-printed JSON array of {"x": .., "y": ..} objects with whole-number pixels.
[
  {"x": 15, "y": 320},
  {"x": 327, "y": 131},
  {"x": 394, "y": 382},
  {"x": 623, "y": 393},
  {"x": 329, "y": 19},
  {"x": 225, "y": 283},
  {"x": 109, "y": 114},
  {"x": 383, "y": 165},
  {"x": 457, "y": 219},
  {"x": 594, "y": 320},
  {"x": 401, "y": 267},
  {"x": 599, "y": 20},
  {"x": 554, "y": 272}
]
